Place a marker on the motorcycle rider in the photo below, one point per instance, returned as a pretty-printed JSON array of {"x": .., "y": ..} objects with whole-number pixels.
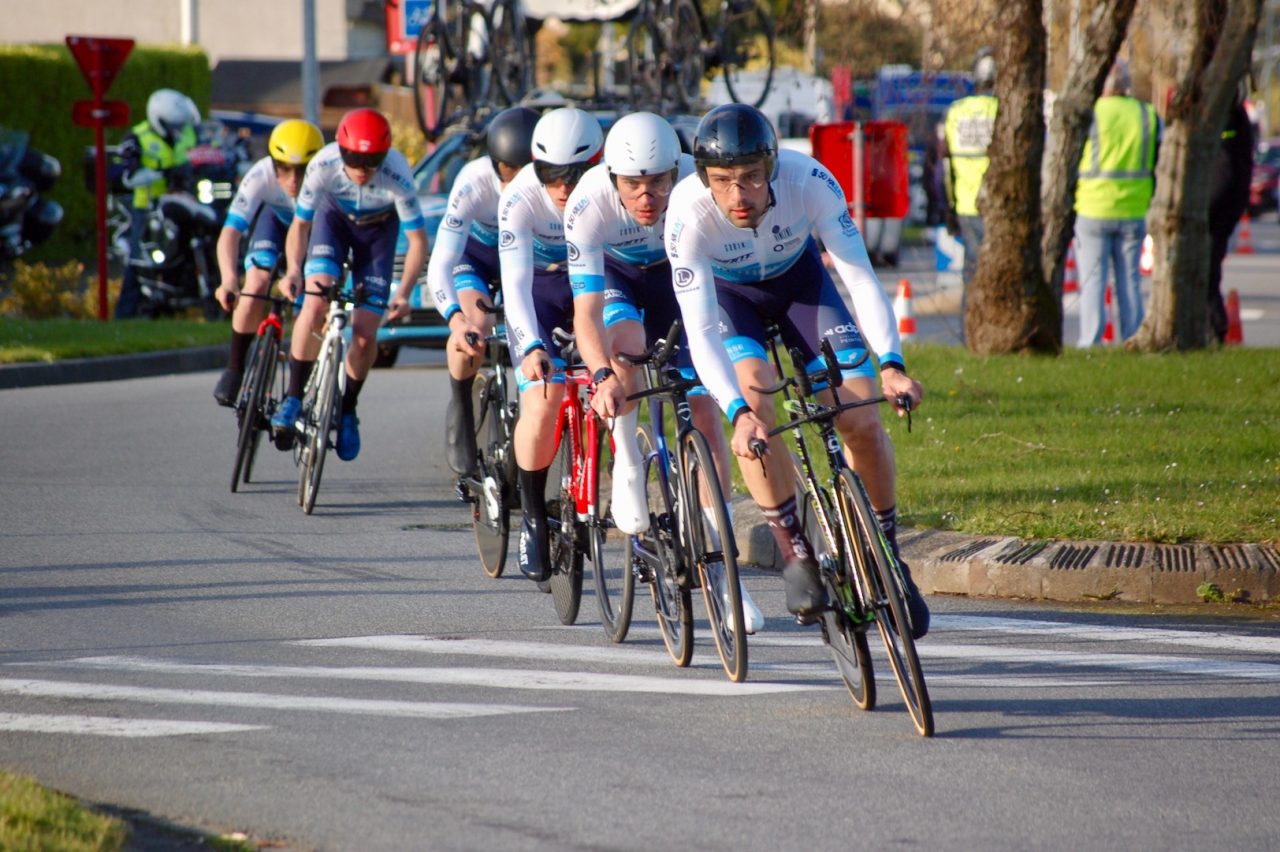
[
  {"x": 155, "y": 160},
  {"x": 266, "y": 198}
]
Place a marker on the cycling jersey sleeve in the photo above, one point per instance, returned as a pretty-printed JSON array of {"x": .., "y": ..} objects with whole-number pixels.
[
  {"x": 449, "y": 244},
  {"x": 311, "y": 191},
  {"x": 584, "y": 240},
  {"x": 848, "y": 252},
  {"x": 696, "y": 294},
  {"x": 248, "y": 200},
  {"x": 515, "y": 260}
]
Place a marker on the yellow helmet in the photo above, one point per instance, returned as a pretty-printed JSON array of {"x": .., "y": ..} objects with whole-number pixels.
[{"x": 295, "y": 142}]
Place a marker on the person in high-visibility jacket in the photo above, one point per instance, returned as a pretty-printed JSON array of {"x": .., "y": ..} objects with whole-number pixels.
[
  {"x": 1116, "y": 182},
  {"x": 155, "y": 161},
  {"x": 967, "y": 133}
]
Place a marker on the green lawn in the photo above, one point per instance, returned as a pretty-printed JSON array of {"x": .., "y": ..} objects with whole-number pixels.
[
  {"x": 56, "y": 339},
  {"x": 33, "y": 818}
]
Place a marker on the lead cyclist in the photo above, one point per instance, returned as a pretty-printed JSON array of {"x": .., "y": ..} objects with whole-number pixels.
[{"x": 740, "y": 236}]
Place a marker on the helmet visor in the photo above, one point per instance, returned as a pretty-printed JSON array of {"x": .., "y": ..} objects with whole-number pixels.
[
  {"x": 549, "y": 173},
  {"x": 362, "y": 160}
]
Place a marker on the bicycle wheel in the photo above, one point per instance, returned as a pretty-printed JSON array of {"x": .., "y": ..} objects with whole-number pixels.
[
  {"x": 320, "y": 421},
  {"x": 645, "y": 57},
  {"x": 844, "y": 625},
  {"x": 882, "y": 585},
  {"x": 248, "y": 405},
  {"x": 437, "y": 78},
  {"x": 610, "y": 556},
  {"x": 562, "y": 516},
  {"x": 672, "y": 600},
  {"x": 511, "y": 52},
  {"x": 684, "y": 53},
  {"x": 490, "y": 515},
  {"x": 746, "y": 44},
  {"x": 710, "y": 536}
]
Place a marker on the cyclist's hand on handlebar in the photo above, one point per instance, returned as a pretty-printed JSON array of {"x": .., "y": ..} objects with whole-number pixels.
[
  {"x": 465, "y": 337},
  {"x": 609, "y": 398},
  {"x": 537, "y": 366},
  {"x": 899, "y": 387},
  {"x": 746, "y": 433},
  {"x": 290, "y": 285},
  {"x": 396, "y": 308},
  {"x": 227, "y": 293}
]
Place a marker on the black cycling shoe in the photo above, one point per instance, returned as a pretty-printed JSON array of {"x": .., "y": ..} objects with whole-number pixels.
[
  {"x": 460, "y": 438},
  {"x": 535, "y": 550},
  {"x": 806, "y": 595},
  {"x": 917, "y": 609},
  {"x": 228, "y": 388}
]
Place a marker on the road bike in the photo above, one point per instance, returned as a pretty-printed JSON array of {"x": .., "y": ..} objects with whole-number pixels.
[
  {"x": 318, "y": 422},
  {"x": 672, "y": 45},
  {"x": 468, "y": 54},
  {"x": 863, "y": 579},
  {"x": 689, "y": 543},
  {"x": 493, "y": 490},
  {"x": 261, "y": 389}
]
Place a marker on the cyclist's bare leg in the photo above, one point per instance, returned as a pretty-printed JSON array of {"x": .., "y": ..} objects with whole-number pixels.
[
  {"x": 535, "y": 438},
  {"x": 773, "y": 483},
  {"x": 364, "y": 343},
  {"x": 303, "y": 346},
  {"x": 462, "y": 365},
  {"x": 249, "y": 313},
  {"x": 708, "y": 420},
  {"x": 867, "y": 445}
]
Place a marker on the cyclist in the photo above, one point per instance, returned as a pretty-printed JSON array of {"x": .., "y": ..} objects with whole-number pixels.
[
  {"x": 535, "y": 284},
  {"x": 352, "y": 194},
  {"x": 623, "y": 297},
  {"x": 464, "y": 261},
  {"x": 267, "y": 192},
  {"x": 740, "y": 239},
  {"x": 154, "y": 154}
]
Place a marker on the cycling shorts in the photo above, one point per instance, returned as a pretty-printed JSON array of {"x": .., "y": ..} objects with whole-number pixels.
[
  {"x": 806, "y": 306},
  {"x": 266, "y": 243},
  {"x": 477, "y": 269},
  {"x": 553, "y": 308},
  {"x": 372, "y": 250},
  {"x": 645, "y": 295}
]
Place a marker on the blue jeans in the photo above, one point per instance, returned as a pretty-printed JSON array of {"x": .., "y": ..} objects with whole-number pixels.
[{"x": 1114, "y": 243}]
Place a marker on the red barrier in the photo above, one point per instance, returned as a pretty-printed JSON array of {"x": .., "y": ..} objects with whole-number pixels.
[{"x": 885, "y": 184}]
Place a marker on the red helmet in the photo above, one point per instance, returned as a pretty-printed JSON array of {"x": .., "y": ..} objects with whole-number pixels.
[{"x": 364, "y": 137}]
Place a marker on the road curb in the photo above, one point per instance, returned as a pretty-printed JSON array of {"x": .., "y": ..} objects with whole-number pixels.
[
  {"x": 945, "y": 562},
  {"x": 113, "y": 367}
]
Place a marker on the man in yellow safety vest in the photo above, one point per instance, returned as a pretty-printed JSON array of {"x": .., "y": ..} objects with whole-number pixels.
[{"x": 1117, "y": 180}]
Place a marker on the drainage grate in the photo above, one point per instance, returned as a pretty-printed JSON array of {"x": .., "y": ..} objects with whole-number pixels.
[
  {"x": 1125, "y": 555},
  {"x": 1176, "y": 557},
  {"x": 1020, "y": 553},
  {"x": 968, "y": 550},
  {"x": 1073, "y": 556},
  {"x": 1270, "y": 558},
  {"x": 1231, "y": 557}
]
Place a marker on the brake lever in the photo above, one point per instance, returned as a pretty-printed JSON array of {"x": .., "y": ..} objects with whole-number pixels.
[
  {"x": 904, "y": 402},
  {"x": 759, "y": 448}
]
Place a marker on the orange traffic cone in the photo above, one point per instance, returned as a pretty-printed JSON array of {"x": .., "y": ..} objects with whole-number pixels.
[
  {"x": 1244, "y": 238},
  {"x": 1147, "y": 260},
  {"x": 902, "y": 309},
  {"x": 1070, "y": 276},
  {"x": 1109, "y": 329},
  {"x": 1235, "y": 331}
]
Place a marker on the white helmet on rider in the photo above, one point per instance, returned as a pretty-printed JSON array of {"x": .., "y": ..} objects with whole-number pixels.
[
  {"x": 641, "y": 144},
  {"x": 168, "y": 111},
  {"x": 566, "y": 142}
]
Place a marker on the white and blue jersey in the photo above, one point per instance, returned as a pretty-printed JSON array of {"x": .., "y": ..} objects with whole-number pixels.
[
  {"x": 532, "y": 254},
  {"x": 390, "y": 189},
  {"x": 467, "y": 239},
  {"x": 769, "y": 269},
  {"x": 260, "y": 202}
]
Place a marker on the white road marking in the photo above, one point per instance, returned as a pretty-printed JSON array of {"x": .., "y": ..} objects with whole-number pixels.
[
  {"x": 509, "y": 648},
  {"x": 1193, "y": 666},
  {"x": 105, "y": 726},
  {"x": 1104, "y": 633},
  {"x": 453, "y": 676},
  {"x": 322, "y": 704}
]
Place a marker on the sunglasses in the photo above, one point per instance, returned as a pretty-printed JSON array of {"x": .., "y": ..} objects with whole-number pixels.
[
  {"x": 365, "y": 160},
  {"x": 549, "y": 173}
]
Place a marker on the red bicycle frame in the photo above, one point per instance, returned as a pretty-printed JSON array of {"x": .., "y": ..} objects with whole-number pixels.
[{"x": 584, "y": 432}]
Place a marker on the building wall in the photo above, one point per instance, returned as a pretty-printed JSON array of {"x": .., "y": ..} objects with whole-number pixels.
[{"x": 226, "y": 29}]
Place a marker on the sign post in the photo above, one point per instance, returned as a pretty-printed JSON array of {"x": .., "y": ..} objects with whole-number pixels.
[{"x": 100, "y": 60}]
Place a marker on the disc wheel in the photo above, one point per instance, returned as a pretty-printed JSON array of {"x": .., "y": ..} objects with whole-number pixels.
[
  {"x": 615, "y": 581},
  {"x": 672, "y": 600},
  {"x": 566, "y": 554},
  {"x": 883, "y": 586},
  {"x": 844, "y": 625},
  {"x": 490, "y": 514},
  {"x": 715, "y": 553},
  {"x": 746, "y": 43}
]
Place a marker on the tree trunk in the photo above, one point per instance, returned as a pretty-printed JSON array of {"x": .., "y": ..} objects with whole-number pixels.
[
  {"x": 1094, "y": 37},
  {"x": 1011, "y": 306},
  {"x": 1209, "y": 46}
]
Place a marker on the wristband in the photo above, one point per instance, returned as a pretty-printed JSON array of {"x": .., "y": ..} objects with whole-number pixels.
[
  {"x": 738, "y": 412},
  {"x": 450, "y": 311},
  {"x": 895, "y": 364},
  {"x": 602, "y": 375}
]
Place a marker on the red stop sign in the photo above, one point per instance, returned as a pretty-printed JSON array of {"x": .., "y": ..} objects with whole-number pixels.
[{"x": 99, "y": 59}]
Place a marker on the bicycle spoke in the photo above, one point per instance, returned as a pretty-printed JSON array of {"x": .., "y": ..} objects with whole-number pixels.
[
  {"x": 672, "y": 603},
  {"x": 566, "y": 556}
]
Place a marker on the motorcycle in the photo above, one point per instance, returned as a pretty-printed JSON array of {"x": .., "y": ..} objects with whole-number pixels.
[{"x": 26, "y": 218}]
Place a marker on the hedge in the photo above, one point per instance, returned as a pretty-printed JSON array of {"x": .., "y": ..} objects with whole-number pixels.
[{"x": 38, "y": 84}]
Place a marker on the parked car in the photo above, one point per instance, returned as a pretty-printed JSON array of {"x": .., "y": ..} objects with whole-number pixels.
[{"x": 1263, "y": 196}]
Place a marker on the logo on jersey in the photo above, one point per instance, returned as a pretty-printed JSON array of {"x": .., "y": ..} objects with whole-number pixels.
[
  {"x": 683, "y": 276},
  {"x": 453, "y": 222},
  {"x": 580, "y": 206},
  {"x": 781, "y": 233},
  {"x": 822, "y": 175},
  {"x": 574, "y": 254},
  {"x": 846, "y": 224},
  {"x": 506, "y": 239}
]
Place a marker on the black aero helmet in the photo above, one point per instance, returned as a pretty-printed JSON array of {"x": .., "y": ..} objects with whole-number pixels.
[
  {"x": 510, "y": 136},
  {"x": 732, "y": 135}
]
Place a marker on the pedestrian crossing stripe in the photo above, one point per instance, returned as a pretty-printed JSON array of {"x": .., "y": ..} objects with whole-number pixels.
[{"x": 107, "y": 726}]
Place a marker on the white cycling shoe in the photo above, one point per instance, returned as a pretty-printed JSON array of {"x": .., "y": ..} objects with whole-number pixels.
[
  {"x": 630, "y": 504},
  {"x": 751, "y": 614}
]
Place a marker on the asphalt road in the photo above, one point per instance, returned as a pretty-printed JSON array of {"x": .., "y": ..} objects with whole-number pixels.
[{"x": 351, "y": 680}]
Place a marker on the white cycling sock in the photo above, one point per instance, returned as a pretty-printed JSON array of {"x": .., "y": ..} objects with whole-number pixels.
[{"x": 625, "y": 450}]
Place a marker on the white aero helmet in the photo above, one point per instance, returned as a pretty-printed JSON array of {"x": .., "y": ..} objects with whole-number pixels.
[
  {"x": 566, "y": 136},
  {"x": 641, "y": 144},
  {"x": 168, "y": 111}
]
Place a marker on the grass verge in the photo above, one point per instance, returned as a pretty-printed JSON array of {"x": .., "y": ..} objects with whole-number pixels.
[
  {"x": 33, "y": 818},
  {"x": 56, "y": 339}
]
